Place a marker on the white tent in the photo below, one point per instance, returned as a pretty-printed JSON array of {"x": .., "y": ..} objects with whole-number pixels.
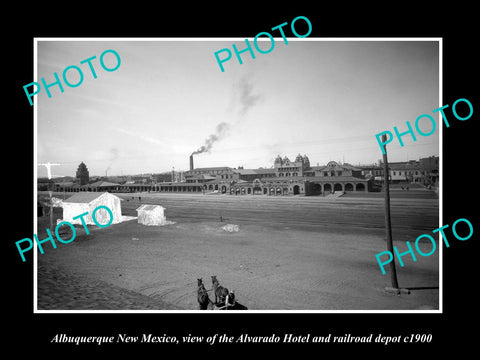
[
  {"x": 83, "y": 202},
  {"x": 151, "y": 215}
]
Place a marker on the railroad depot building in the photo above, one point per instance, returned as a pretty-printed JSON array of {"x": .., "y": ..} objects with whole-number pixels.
[
  {"x": 337, "y": 177},
  {"x": 285, "y": 178}
]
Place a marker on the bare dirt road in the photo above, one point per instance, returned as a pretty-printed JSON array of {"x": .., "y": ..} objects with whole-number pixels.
[{"x": 291, "y": 253}]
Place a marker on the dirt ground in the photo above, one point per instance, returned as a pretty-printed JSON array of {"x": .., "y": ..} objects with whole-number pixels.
[{"x": 291, "y": 253}]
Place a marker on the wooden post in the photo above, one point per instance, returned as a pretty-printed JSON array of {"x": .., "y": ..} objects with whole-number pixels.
[{"x": 388, "y": 224}]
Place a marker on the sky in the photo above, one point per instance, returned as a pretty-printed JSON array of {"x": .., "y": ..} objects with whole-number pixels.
[{"x": 169, "y": 99}]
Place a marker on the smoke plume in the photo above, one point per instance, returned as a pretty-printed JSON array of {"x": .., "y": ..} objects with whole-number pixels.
[
  {"x": 113, "y": 156},
  {"x": 243, "y": 100},
  {"x": 220, "y": 132},
  {"x": 246, "y": 97}
]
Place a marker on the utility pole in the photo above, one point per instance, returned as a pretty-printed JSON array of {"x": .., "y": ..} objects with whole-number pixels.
[{"x": 388, "y": 223}]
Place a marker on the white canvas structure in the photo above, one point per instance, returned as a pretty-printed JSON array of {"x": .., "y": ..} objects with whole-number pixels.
[
  {"x": 151, "y": 215},
  {"x": 83, "y": 202}
]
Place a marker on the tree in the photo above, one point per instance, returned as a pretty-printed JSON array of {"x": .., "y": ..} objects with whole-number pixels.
[{"x": 82, "y": 174}]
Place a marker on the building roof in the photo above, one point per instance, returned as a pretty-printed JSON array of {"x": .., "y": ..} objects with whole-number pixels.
[
  {"x": 245, "y": 171},
  {"x": 242, "y": 184},
  {"x": 179, "y": 184},
  {"x": 370, "y": 167},
  {"x": 85, "y": 197},
  {"x": 403, "y": 166},
  {"x": 254, "y": 171},
  {"x": 149, "y": 207},
  {"x": 202, "y": 177},
  {"x": 265, "y": 171},
  {"x": 102, "y": 184},
  {"x": 334, "y": 178},
  {"x": 212, "y": 168},
  {"x": 332, "y": 165},
  {"x": 284, "y": 178},
  {"x": 65, "y": 183}
]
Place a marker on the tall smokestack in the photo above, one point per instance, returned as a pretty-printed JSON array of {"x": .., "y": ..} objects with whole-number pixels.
[{"x": 191, "y": 162}]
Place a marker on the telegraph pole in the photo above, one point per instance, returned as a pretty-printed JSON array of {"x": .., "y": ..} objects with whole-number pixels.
[{"x": 388, "y": 223}]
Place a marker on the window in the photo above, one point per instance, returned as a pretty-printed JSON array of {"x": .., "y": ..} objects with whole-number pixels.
[
  {"x": 325, "y": 173},
  {"x": 394, "y": 173},
  {"x": 339, "y": 173}
]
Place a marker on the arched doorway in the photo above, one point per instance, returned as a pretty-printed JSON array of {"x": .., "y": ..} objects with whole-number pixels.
[
  {"x": 272, "y": 191},
  {"x": 337, "y": 187},
  {"x": 216, "y": 186},
  {"x": 279, "y": 191},
  {"x": 249, "y": 191},
  {"x": 317, "y": 189},
  {"x": 348, "y": 187},
  {"x": 224, "y": 189},
  {"x": 296, "y": 190},
  {"x": 360, "y": 187},
  {"x": 327, "y": 188}
]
